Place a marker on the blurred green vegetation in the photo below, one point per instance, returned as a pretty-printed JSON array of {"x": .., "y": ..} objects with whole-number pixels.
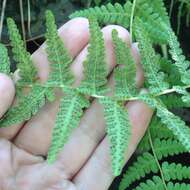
[{"x": 33, "y": 13}]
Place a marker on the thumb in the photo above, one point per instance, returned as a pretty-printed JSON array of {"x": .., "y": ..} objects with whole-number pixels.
[{"x": 7, "y": 93}]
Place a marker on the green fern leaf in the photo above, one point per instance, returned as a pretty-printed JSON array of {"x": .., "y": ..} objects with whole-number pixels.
[
  {"x": 95, "y": 73},
  {"x": 175, "y": 101},
  {"x": 112, "y": 14},
  {"x": 4, "y": 60},
  {"x": 119, "y": 132},
  {"x": 146, "y": 163},
  {"x": 158, "y": 7},
  {"x": 172, "y": 74},
  {"x": 177, "y": 55},
  {"x": 175, "y": 171},
  {"x": 149, "y": 14},
  {"x": 117, "y": 14},
  {"x": 57, "y": 55},
  {"x": 157, "y": 130},
  {"x": 150, "y": 61},
  {"x": 178, "y": 186},
  {"x": 27, "y": 71},
  {"x": 173, "y": 122},
  {"x": 27, "y": 106},
  {"x": 125, "y": 74},
  {"x": 68, "y": 118},
  {"x": 156, "y": 184}
]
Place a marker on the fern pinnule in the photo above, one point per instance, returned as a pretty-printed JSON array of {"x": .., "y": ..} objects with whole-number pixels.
[
  {"x": 68, "y": 118},
  {"x": 177, "y": 55},
  {"x": 175, "y": 171},
  {"x": 171, "y": 121},
  {"x": 125, "y": 74},
  {"x": 57, "y": 55},
  {"x": 27, "y": 71},
  {"x": 148, "y": 14},
  {"x": 157, "y": 184},
  {"x": 4, "y": 60},
  {"x": 150, "y": 61},
  {"x": 109, "y": 13},
  {"x": 27, "y": 106},
  {"x": 118, "y": 130},
  {"x": 95, "y": 71}
]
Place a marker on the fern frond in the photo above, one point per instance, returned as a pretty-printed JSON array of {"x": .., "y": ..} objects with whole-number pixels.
[
  {"x": 57, "y": 55},
  {"x": 173, "y": 122},
  {"x": 68, "y": 118},
  {"x": 146, "y": 163},
  {"x": 27, "y": 71},
  {"x": 124, "y": 75},
  {"x": 112, "y": 14},
  {"x": 28, "y": 106},
  {"x": 150, "y": 61},
  {"x": 175, "y": 171},
  {"x": 4, "y": 60},
  {"x": 95, "y": 72},
  {"x": 119, "y": 132},
  {"x": 177, "y": 55}
]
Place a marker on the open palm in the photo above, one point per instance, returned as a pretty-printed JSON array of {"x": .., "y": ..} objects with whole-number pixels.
[{"x": 85, "y": 162}]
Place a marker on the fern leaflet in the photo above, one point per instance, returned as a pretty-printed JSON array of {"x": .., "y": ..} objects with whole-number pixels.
[
  {"x": 119, "y": 132},
  {"x": 4, "y": 60},
  {"x": 27, "y": 71},
  {"x": 68, "y": 118},
  {"x": 109, "y": 13},
  {"x": 156, "y": 184},
  {"x": 125, "y": 74},
  {"x": 175, "y": 171},
  {"x": 95, "y": 73},
  {"x": 180, "y": 61},
  {"x": 57, "y": 55},
  {"x": 150, "y": 61},
  {"x": 27, "y": 106}
]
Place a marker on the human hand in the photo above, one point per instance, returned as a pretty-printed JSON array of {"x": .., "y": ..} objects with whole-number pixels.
[{"x": 85, "y": 162}]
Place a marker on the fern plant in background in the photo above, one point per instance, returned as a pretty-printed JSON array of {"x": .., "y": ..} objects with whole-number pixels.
[{"x": 167, "y": 135}]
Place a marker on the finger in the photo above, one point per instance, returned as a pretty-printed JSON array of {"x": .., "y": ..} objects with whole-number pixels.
[
  {"x": 99, "y": 165},
  {"x": 7, "y": 92},
  {"x": 85, "y": 138},
  {"x": 42, "y": 124},
  {"x": 75, "y": 34}
]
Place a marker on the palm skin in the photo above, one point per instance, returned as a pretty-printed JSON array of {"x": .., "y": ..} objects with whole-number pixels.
[{"x": 84, "y": 163}]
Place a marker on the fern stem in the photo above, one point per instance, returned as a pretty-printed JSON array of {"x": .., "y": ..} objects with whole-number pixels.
[
  {"x": 22, "y": 21},
  {"x": 164, "y": 51},
  {"x": 2, "y": 16},
  {"x": 179, "y": 17},
  {"x": 156, "y": 159},
  {"x": 171, "y": 8},
  {"x": 168, "y": 91},
  {"x": 132, "y": 17}
]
